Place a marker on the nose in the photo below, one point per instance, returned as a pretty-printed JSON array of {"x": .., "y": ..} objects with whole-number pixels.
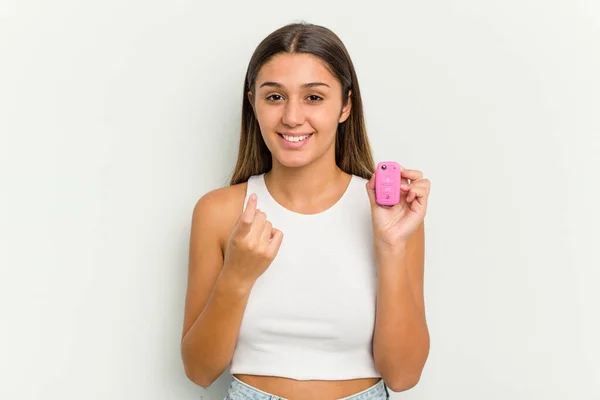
[{"x": 293, "y": 113}]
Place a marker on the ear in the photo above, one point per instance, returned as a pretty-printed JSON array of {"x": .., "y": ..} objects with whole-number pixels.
[
  {"x": 251, "y": 101},
  {"x": 347, "y": 108}
]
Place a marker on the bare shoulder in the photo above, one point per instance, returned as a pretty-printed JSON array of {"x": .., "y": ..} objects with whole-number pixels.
[
  {"x": 219, "y": 209},
  {"x": 213, "y": 219}
]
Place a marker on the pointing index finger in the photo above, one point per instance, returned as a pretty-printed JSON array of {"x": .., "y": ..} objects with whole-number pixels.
[
  {"x": 250, "y": 205},
  {"x": 247, "y": 217}
]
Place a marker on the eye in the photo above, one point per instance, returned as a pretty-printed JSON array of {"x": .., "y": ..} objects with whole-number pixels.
[
  {"x": 314, "y": 98},
  {"x": 274, "y": 97}
]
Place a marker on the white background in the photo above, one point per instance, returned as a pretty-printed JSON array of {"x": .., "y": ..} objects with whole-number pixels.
[{"x": 116, "y": 116}]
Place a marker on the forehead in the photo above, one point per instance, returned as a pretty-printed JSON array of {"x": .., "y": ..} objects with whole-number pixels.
[{"x": 295, "y": 69}]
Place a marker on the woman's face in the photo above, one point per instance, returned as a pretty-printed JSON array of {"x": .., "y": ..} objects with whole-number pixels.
[{"x": 298, "y": 105}]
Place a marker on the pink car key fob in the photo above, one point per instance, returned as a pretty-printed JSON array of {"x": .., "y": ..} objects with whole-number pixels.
[{"x": 387, "y": 183}]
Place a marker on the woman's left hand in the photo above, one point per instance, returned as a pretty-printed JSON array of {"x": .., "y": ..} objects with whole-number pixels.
[{"x": 393, "y": 226}]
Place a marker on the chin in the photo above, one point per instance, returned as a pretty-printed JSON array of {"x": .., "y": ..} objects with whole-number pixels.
[{"x": 292, "y": 160}]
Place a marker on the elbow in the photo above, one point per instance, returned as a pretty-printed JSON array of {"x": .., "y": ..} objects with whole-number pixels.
[
  {"x": 201, "y": 374},
  {"x": 198, "y": 378},
  {"x": 408, "y": 379},
  {"x": 194, "y": 373},
  {"x": 409, "y": 376},
  {"x": 404, "y": 383}
]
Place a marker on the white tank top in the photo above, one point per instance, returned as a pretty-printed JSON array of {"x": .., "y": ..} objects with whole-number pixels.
[{"x": 311, "y": 314}]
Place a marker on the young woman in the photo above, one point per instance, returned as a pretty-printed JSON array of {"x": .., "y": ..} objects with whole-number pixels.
[{"x": 298, "y": 280}]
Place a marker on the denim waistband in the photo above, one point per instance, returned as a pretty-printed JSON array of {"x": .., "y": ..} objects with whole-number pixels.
[{"x": 239, "y": 390}]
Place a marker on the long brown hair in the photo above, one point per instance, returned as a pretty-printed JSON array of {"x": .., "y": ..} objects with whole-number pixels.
[{"x": 352, "y": 149}]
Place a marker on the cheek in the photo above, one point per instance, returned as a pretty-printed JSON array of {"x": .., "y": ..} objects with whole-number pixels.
[
  {"x": 267, "y": 118},
  {"x": 268, "y": 122},
  {"x": 324, "y": 118}
]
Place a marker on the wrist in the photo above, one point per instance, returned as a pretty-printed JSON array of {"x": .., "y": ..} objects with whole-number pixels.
[
  {"x": 393, "y": 257},
  {"x": 395, "y": 249},
  {"x": 230, "y": 283}
]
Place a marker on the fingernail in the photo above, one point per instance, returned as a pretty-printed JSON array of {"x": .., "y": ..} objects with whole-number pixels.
[{"x": 253, "y": 196}]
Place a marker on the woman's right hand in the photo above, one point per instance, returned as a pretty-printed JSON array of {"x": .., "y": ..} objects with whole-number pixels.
[{"x": 252, "y": 245}]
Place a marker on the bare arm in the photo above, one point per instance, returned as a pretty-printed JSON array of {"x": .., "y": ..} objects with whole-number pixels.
[
  {"x": 207, "y": 348},
  {"x": 219, "y": 284},
  {"x": 401, "y": 338},
  {"x": 215, "y": 302}
]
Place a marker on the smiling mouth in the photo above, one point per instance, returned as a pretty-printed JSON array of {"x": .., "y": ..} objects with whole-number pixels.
[{"x": 295, "y": 139}]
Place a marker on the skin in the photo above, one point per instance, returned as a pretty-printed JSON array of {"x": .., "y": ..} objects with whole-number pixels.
[
  {"x": 307, "y": 181},
  {"x": 290, "y": 107}
]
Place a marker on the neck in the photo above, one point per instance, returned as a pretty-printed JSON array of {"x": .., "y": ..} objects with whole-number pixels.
[{"x": 305, "y": 185}]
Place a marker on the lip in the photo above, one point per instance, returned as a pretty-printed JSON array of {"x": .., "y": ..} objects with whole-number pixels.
[
  {"x": 294, "y": 134},
  {"x": 295, "y": 145}
]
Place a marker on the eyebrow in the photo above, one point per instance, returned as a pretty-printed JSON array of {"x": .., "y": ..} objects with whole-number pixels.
[{"x": 306, "y": 85}]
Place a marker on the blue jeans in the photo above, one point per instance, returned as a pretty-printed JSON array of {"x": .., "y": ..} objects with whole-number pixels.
[{"x": 239, "y": 390}]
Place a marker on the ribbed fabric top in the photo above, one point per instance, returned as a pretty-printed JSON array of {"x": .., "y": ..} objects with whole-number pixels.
[{"x": 311, "y": 314}]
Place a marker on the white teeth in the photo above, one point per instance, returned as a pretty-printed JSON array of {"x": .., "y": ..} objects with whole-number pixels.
[{"x": 294, "y": 138}]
